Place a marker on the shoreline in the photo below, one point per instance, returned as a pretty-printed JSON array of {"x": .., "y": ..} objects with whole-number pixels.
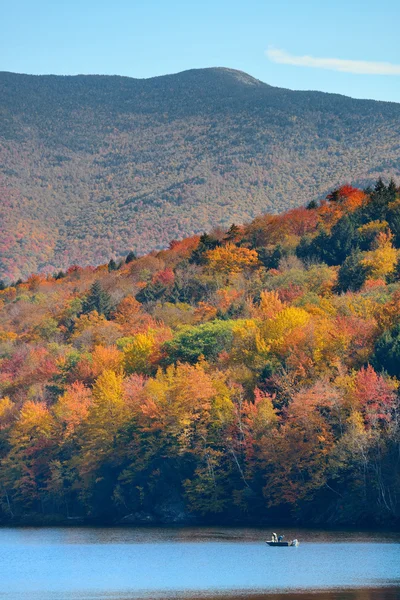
[{"x": 85, "y": 524}]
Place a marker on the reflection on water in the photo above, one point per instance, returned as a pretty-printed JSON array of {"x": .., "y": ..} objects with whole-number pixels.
[
  {"x": 224, "y": 563},
  {"x": 137, "y": 535}
]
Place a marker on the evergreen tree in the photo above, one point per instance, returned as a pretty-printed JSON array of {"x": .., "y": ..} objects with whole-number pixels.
[
  {"x": 151, "y": 293},
  {"x": 392, "y": 190},
  {"x": 59, "y": 275},
  {"x": 387, "y": 352},
  {"x": 304, "y": 249},
  {"x": 377, "y": 208},
  {"x": 352, "y": 274},
  {"x": 207, "y": 242},
  {"x": 98, "y": 300},
  {"x": 341, "y": 242},
  {"x": 112, "y": 265},
  {"x": 393, "y": 219},
  {"x": 379, "y": 186},
  {"x": 233, "y": 234},
  {"x": 130, "y": 257},
  {"x": 271, "y": 258}
]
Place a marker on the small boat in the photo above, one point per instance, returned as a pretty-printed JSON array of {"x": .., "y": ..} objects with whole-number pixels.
[{"x": 282, "y": 543}]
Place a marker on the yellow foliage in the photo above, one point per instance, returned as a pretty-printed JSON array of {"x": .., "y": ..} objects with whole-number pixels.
[
  {"x": 244, "y": 347},
  {"x": 106, "y": 357},
  {"x": 92, "y": 319},
  {"x": 8, "y": 336},
  {"x": 324, "y": 308},
  {"x": 370, "y": 230},
  {"x": 356, "y": 425},
  {"x": 144, "y": 351},
  {"x": 328, "y": 343},
  {"x": 34, "y": 422},
  {"x": 261, "y": 416},
  {"x": 270, "y": 304},
  {"x": 107, "y": 414},
  {"x": 230, "y": 259},
  {"x": 182, "y": 400},
  {"x": 7, "y": 409},
  {"x": 137, "y": 355},
  {"x": 364, "y": 307},
  {"x": 381, "y": 261},
  {"x": 273, "y": 332},
  {"x": 108, "y": 389},
  {"x": 177, "y": 398}
]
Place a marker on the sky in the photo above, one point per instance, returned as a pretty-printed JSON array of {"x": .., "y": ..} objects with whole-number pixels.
[{"x": 349, "y": 47}]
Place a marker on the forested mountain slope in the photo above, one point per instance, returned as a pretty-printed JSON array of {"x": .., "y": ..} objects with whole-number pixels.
[
  {"x": 92, "y": 166},
  {"x": 244, "y": 376}
]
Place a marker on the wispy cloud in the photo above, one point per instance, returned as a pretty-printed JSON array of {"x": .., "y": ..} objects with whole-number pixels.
[{"x": 360, "y": 67}]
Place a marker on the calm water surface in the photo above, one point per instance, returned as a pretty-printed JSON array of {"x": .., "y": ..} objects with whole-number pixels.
[{"x": 123, "y": 564}]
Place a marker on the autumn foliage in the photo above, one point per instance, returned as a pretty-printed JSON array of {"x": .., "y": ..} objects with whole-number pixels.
[{"x": 243, "y": 375}]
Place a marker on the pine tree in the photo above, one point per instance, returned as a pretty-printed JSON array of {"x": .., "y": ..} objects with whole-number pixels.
[
  {"x": 352, "y": 274},
  {"x": 206, "y": 243},
  {"x": 112, "y": 265},
  {"x": 130, "y": 257},
  {"x": 392, "y": 190},
  {"x": 98, "y": 300},
  {"x": 341, "y": 242},
  {"x": 379, "y": 186},
  {"x": 233, "y": 233},
  {"x": 377, "y": 208},
  {"x": 312, "y": 205},
  {"x": 59, "y": 275}
]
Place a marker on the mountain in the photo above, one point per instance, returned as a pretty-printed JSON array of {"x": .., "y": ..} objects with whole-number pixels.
[{"x": 94, "y": 166}]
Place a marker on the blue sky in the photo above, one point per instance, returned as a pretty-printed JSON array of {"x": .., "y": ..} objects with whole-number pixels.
[{"x": 350, "y": 47}]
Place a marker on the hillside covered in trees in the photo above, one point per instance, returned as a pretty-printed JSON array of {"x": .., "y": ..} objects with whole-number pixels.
[
  {"x": 244, "y": 375},
  {"x": 92, "y": 166}
]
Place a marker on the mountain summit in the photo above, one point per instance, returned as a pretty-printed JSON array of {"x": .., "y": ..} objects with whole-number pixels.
[{"x": 93, "y": 166}]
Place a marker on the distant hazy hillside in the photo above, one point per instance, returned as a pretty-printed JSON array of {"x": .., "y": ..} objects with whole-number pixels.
[{"x": 93, "y": 166}]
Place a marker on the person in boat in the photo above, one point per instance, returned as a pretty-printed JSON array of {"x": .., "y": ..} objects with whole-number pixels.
[
  {"x": 274, "y": 537},
  {"x": 280, "y": 538}
]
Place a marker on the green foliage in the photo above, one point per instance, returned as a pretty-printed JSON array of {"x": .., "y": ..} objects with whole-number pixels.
[
  {"x": 331, "y": 248},
  {"x": 131, "y": 256},
  {"x": 59, "y": 275},
  {"x": 98, "y": 300},
  {"x": 352, "y": 274},
  {"x": 387, "y": 352},
  {"x": 207, "y": 340},
  {"x": 112, "y": 265},
  {"x": 270, "y": 257},
  {"x": 206, "y": 243}
]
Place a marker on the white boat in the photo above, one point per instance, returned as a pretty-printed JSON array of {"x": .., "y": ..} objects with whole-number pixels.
[{"x": 281, "y": 543}]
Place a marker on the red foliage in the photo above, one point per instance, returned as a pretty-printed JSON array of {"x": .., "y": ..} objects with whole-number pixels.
[
  {"x": 376, "y": 396},
  {"x": 165, "y": 277}
]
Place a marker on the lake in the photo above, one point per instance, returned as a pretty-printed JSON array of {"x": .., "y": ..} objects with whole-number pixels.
[{"x": 214, "y": 562}]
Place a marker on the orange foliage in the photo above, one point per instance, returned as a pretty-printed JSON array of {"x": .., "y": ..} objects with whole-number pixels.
[
  {"x": 72, "y": 407},
  {"x": 344, "y": 200}
]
